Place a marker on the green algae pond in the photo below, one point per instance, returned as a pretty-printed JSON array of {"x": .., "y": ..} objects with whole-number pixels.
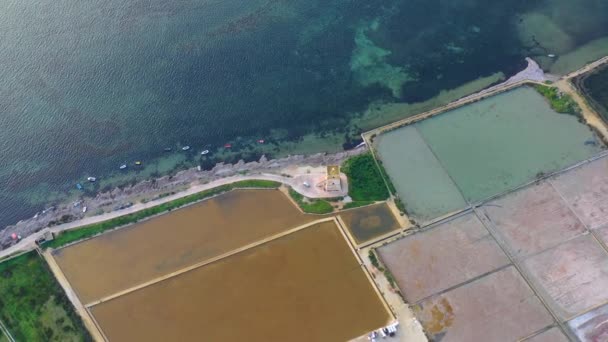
[
  {"x": 422, "y": 183},
  {"x": 480, "y": 150}
]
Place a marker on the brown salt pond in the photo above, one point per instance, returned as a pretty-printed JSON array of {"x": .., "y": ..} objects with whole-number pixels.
[
  {"x": 128, "y": 257},
  {"x": 370, "y": 222},
  {"x": 304, "y": 286}
]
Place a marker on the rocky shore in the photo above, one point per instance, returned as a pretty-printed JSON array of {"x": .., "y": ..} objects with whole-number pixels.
[{"x": 121, "y": 198}]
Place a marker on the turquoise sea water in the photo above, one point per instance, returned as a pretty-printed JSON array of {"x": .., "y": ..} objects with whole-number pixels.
[{"x": 86, "y": 86}]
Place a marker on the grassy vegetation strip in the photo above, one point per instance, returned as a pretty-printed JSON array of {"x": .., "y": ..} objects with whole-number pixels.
[
  {"x": 561, "y": 103},
  {"x": 365, "y": 179},
  {"x": 74, "y": 235},
  {"x": 374, "y": 260},
  {"x": 311, "y": 206},
  {"x": 357, "y": 204},
  {"x": 32, "y": 304},
  {"x": 376, "y": 263}
]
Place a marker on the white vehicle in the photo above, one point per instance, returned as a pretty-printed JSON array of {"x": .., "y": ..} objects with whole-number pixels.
[
  {"x": 84, "y": 209},
  {"x": 306, "y": 184},
  {"x": 91, "y": 179}
]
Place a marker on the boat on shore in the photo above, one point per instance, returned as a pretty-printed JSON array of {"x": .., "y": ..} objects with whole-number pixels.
[
  {"x": 185, "y": 148},
  {"x": 123, "y": 166},
  {"x": 204, "y": 152}
]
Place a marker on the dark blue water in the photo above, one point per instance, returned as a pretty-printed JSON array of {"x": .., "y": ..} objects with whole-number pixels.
[
  {"x": 595, "y": 86},
  {"x": 88, "y": 85}
]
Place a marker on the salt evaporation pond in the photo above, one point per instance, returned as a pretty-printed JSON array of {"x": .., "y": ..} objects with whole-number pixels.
[
  {"x": 420, "y": 180},
  {"x": 481, "y": 150}
]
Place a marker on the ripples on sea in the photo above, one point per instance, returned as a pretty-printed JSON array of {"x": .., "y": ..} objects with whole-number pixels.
[{"x": 88, "y": 86}]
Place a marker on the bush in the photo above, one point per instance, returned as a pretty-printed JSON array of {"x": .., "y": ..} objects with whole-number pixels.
[
  {"x": 374, "y": 260},
  {"x": 365, "y": 180},
  {"x": 399, "y": 204},
  {"x": 561, "y": 103},
  {"x": 74, "y": 235},
  {"x": 33, "y": 305},
  {"x": 311, "y": 206}
]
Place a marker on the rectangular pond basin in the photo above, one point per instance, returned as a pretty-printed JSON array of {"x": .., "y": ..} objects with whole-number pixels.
[
  {"x": 480, "y": 150},
  {"x": 497, "y": 307},
  {"x": 532, "y": 219},
  {"x": 133, "y": 255},
  {"x": 369, "y": 222},
  {"x": 424, "y": 186},
  {"x": 437, "y": 259},
  {"x": 304, "y": 286},
  {"x": 571, "y": 277},
  {"x": 505, "y": 141}
]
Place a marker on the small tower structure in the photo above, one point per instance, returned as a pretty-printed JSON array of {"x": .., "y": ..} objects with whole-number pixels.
[{"x": 332, "y": 182}]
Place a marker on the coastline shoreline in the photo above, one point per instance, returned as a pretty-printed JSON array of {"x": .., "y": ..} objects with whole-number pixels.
[{"x": 153, "y": 192}]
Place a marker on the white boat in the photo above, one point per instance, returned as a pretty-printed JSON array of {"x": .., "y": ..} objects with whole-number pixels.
[
  {"x": 204, "y": 152},
  {"x": 185, "y": 148},
  {"x": 91, "y": 179},
  {"x": 123, "y": 166},
  {"x": 84, "y": 209},
  {"x": 551, "y": 55}
]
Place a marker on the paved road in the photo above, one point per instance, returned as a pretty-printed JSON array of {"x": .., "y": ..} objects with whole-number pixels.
[{"x": 28, "y": 243}]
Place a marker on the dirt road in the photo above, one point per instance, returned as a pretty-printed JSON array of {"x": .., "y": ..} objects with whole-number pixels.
[
  {"x": 592, "y": 118},
  {"x": 531, "y": 74}
]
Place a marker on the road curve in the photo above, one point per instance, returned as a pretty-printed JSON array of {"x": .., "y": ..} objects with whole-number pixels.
[{"x": 28, "y": 243}]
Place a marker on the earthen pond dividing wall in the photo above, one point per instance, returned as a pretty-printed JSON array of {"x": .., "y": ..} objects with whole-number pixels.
[
  {"x": 132, "y": 255},
  {"x": 469, "y": 154},
  {"x": 529, "y": 265},
  {"x": 304, "y": 286},
  {"x": 146, "y": 260},
  {"x": 127, "y": 257}
]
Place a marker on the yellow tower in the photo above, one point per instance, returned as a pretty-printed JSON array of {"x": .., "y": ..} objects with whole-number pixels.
[{"x": 332, "y": 183}]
